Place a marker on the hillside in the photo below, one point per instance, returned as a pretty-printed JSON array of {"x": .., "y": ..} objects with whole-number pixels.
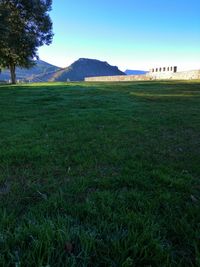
[
  {"x": 135, "y": 72},
  {"x": 40, "y": 68},
  {"x": 81, "y": 69}
]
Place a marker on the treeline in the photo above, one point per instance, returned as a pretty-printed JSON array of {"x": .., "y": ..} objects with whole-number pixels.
[{"x": 25, "y": 25}]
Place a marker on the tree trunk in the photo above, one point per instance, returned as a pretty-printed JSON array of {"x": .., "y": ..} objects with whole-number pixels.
[{"x": 12, "y": 74}]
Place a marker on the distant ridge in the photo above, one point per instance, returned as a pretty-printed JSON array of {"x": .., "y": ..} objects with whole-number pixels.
[
  {"x": 135, "y": 72},
  {"x": 41, "y": 67},
  {"x": 81, "y": 69}
]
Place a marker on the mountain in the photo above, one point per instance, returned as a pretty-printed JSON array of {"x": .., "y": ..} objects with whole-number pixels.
[
  {"x": 40, "y": 68},
  {"x": 135, "y": 72},
  {"x": 78, "y": 71},
  {"x": 81, "y": 69}
]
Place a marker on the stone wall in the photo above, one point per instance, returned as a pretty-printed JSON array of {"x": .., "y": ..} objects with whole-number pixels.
[
  {"x": 182, "y": 75},
  {"x": 118, "y": 78},
  {"x": 187, "y": 75},
  {"x": 164, "y": 69}
]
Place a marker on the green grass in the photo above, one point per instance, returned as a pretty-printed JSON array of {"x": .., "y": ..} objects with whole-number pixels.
[{"x": 100, "y": 174}]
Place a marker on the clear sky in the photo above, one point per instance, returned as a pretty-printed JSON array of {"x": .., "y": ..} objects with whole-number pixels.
[{"x": 130, "y": 34}]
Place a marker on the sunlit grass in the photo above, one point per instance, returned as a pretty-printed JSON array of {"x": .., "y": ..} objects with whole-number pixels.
[{"x": 156, "y": 95}]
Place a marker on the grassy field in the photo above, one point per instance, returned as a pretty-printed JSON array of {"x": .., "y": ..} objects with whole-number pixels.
[{"x": 100, "y": 175}]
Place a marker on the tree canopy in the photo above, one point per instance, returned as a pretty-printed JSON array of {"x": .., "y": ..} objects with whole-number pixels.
[{"x": 25, "y": 26}]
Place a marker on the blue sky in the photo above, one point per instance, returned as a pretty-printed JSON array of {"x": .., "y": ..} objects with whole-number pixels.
[{"x": 130, "y": 34}]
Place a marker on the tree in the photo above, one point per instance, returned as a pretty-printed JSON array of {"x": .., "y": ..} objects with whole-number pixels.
[
  {"x": 3, "y": 14},
  {"x": 3, "y": 27},
  {"x": 25, "y": 28}
]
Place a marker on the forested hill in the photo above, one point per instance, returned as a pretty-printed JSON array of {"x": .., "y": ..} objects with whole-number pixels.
[{"x": 81, "y": 69}]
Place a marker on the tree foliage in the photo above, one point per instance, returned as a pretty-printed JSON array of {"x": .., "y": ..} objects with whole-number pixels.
[{"x": 25, "y": 26}]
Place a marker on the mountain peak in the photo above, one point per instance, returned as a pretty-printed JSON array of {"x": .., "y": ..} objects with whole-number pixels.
[{"x": 86, "y": 67}]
